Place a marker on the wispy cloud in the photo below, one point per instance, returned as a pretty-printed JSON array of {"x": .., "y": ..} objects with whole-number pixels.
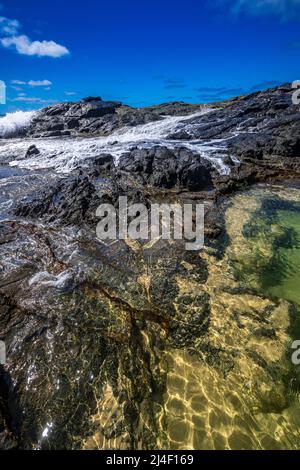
[
  {"x": 211, "y": 89},
  {"x": 218, "y": 93},
  {"x": 33, "y": 83},
  {"x": 39, "y": 83},
  {"x": 223, "y": 93},
  {"x": 18, "y": 82},
  {"x": 8, "y": 26},
  {"x": 70, "y": 93},
  {"x": 29, "y": 99},
  {"x": 9, "y": 29},
  {"x": 22, "y": 86},
  {"x": 173, "y": 87},
  {"x": 173, "y": 83},
  {"x": 285, "y": 9},
  {"x": 158, "y": 76},
  {"x": 264, "y": 85}
]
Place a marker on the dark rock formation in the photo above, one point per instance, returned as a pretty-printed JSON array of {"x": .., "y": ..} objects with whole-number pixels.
[
  {"x": 86, "y": 324},
  {"x": 164, "y": 168},
  {"x": 100, "y": 166},
  {"x": 258, "y": 139},
  {"x": 94, "y": 116},
  {"x": 175, "y": 108},
  {"x": 71, "y": 201},
  {"x": 263, "y": 124},
  {"x": 32, "y": 151},
  {"x": 89, "y": 116}
]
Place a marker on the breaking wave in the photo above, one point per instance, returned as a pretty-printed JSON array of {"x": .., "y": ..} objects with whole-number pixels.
[
  {"x": 13, "y": 123},
  {"x": 65, "y": 154}
]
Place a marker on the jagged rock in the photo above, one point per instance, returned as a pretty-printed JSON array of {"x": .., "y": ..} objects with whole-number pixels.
[
  {"x": 164, "y": 168},
  {"x": 88, "y": 325},
  {"x": 32, "y": 150},
  {"x": 259, "y": 125},
  {"x": 90, "y": 99},
  {"x": 175, "y": 108},
  {"x": 72, "y": 201},
  {"x": 72, "y": 124},
  {"x": 93, "y": 115},
  {"x": 103, "y": 165}
]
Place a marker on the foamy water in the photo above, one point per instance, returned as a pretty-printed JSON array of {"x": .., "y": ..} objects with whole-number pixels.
[
  {"x": 65, "y": 154},
  {"x": 14, "y": 122}
]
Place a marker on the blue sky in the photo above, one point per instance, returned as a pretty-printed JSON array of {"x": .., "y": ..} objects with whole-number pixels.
[{"x": 145, "y": 52}]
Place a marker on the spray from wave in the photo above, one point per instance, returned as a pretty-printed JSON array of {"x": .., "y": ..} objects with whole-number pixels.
[
  {"x": 65, "y": 154},
  {"x": 13, "y": 123}
]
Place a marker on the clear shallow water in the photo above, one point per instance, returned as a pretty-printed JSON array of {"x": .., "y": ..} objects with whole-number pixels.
[
  {"x": 255, "y": 404},
  {"x": 288, "y": 286},
  {"x": 9, "y": 172},
  {"x": 18, "y": 183},
  {"x": 272, "y": 245},
  {"x": 233, "y": 386}
]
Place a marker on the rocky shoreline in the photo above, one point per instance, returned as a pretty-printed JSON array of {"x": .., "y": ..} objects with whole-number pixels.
[{"x": 86, "y": 324}]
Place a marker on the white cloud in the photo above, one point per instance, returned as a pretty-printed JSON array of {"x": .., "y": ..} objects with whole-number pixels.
[
  {"x": 9, "y": 27},
  {"x": 39, "y": 83},
  {"x": 18, "y": 82},
  {"x": 285, "y": 9},
  {"x": 32, "y": 83},
  {"x": 25, "y": 46},
  {"x": 70, "y": 93},
  {"x": 33, "y": 100}
]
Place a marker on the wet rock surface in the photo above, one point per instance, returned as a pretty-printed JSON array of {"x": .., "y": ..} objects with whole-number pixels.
[
  {"x": 267, "y": 122},
  {"x": 71, "y": 201},
  {"x": 102, "y": 339},
  {"x": 166, "y": 169},
  {"x": 89, "y": 116},
  {"x": 136, "y": 345}
]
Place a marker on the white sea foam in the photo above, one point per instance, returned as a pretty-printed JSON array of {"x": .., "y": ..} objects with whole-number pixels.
[
  {"x": 65, "y": 154},
  {"x": 14, "y": 122},
  {"x": 49, "y": 280}
]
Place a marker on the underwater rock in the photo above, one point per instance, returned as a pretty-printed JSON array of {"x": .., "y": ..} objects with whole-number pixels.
[{"x": 133, "y": 345}]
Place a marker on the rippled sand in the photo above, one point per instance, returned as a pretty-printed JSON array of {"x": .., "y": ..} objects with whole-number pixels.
[
  {"x": 234, "y": 386},
  {"x": 202, "y": 408}
]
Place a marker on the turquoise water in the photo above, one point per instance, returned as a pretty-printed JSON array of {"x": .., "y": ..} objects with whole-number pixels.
[
  {"x": 269, "y": 258},
  {"x": 286, "y": 259}
]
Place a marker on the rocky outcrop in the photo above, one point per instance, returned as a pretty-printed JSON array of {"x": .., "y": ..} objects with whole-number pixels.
[
  {"x": 72, "y": 201},
  {"x": 258, "y": 138},
  {"x": 63, "y": 119},
  {"x": 88, "y": 324},
  {"x": 174, "y": 108},
  {"x": 32, "y": 150},
  {"x": 92, "y": 115},
  {"x": 164, "y": 168},
  {"x": 89, "y": 116},
  {"x": 259, "y": 125}
]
